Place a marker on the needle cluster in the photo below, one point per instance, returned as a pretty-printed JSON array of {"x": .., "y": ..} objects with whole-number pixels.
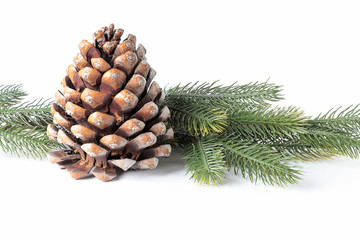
[
  {"x": 23, "y": 124},
  {"x": 235, "y": 127}
]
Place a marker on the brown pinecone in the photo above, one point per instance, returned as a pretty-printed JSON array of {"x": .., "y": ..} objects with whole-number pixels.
[{"x": 108, "y": 114}]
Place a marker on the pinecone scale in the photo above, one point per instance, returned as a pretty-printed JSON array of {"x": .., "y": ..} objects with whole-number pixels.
[{"x": 108, "y": 114}]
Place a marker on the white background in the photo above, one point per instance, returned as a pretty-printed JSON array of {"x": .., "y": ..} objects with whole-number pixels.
[{"x": 312, "y": 48}]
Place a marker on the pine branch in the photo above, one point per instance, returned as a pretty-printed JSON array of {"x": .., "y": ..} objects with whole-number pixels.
[
  {"x": 24, "y": 140},
  {"x": 218, "y": 95},
  {"x": 297, "y": 150},
  {"x": 259, "y": 162},
  {"x": 218, "y": 126},
  {"x": 205, "y": 161},
  {"x": 347, "y": 120},
  {"x": 32, "y": 114},
  {"x": 265, "y": 123},
  {"x": 333, "y": 141},
  {"x": 328, "y": 135},
  {"x": 196, "y": 119},
  {"x": 10, "y": 95},
  {"x": 318, "y": 143},
  {"x": 23, "y": 125}
]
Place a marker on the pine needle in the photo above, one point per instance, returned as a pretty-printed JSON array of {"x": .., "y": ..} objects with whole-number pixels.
[
  {"x": 259, "y": 162},
  {"x": 23, "y": 124},
  {"x": 10, "y": 95},
  {"x": 22, "y": 140},
  {"x": 333, "y": 141},
  {"x": 267, "y": 123},
  {"x": 205, "y": 161},
  {"x": 347, "y": 119},
  {"x": 196, "y": 119},
  {"x": 225, "y": 96},
  {"x": 33, "y": 114},
  {"x": 298, "y": 151}
]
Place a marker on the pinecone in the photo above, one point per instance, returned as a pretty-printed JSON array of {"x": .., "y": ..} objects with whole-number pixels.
[{"x": 108, "y": 114}]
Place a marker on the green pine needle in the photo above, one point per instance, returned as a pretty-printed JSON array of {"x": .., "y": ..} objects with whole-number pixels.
[
  {"x": 218, "y": 95},
  {"x": 299, "y": 151},
  {"x": 347, "y": 119},
  {"x": 196, "y": 119},
  {"x": 335, "y": 133},
  {"x": 259, "y": 162},
  {"x": 205, "y": 161},
  {"x": 258, "y": 140},
  {"x": 22, "y": 140},
  {"x": 10, "y": 95},
  {"x": 267, "y": 123},
  {"x": 23, "y": 124},
  {"x": 332, "y": 141},
  {"x": 33, "y": 114}
]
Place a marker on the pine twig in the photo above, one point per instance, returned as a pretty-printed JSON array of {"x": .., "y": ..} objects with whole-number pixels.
[
  {"x": 196, "y": 119},
  {"x": 296, "y": 150},
  {"x": 318, "y": 143},
  {"x": 259, "y": 162},
  {"x": 267, "y": 123},
  {"x": 347, "y": 119},
  {"x": 205, "y": 161},
  {"x": 10, "y": 95},
  {"x": 23, "y": 124},
  {"x": 32, "y": 114},
  {"x": 267, "y": 139},
  {"x": 225, "y": 96},
  {"x": 333, "y": 141},
  {"x": 19, "y": 140}
]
